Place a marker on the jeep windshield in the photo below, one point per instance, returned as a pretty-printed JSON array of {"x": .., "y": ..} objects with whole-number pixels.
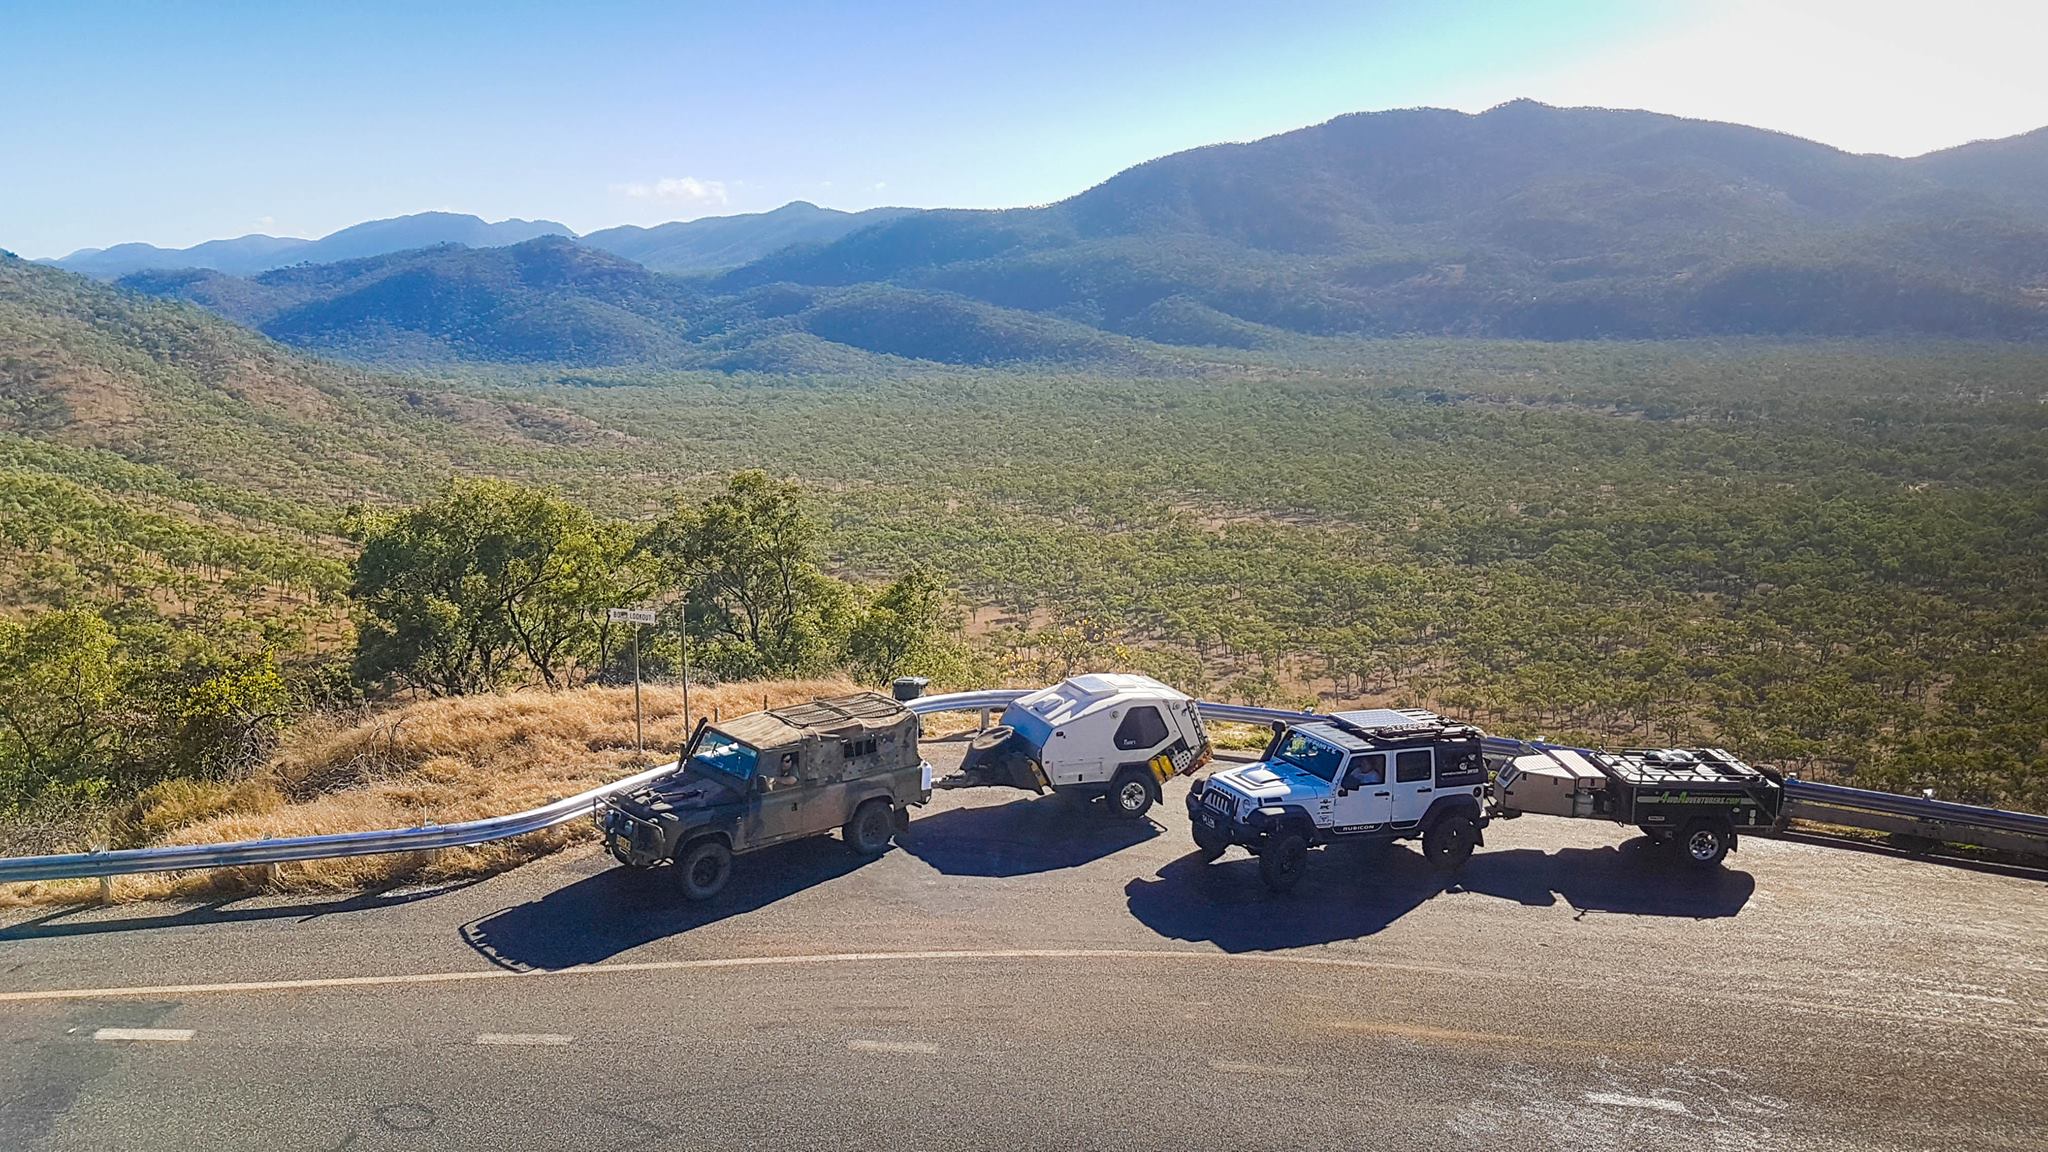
[
  {"x": 725, "y": 755},
  {"x": 1310, "y": 755}
]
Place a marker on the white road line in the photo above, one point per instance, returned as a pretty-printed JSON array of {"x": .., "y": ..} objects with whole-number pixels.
[
  {"x": 913, "y": 1046},
  {"x": 550, "y": 1039},
  {"x": 1241, "y": 1068},
  {"x": 157, "y": 1034},
  {"x": 1144, "y": 954},
  {"x": 1617, "y": 1100}
]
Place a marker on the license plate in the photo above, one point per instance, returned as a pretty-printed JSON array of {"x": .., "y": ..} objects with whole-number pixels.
[
  {"x": 622, "y": 846},
  {"x": 1209, "y": 818}
]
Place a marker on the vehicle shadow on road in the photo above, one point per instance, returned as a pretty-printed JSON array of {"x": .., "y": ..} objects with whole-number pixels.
[
  {"x": 1353, "y": 891},
  {"x": 1025, "y": 836},
  {"x": 618, "y": 909},
  {"x": 94, "y": 919}
]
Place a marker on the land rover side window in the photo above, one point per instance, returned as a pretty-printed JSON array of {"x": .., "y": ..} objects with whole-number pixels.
[
  {"x": 722, "y": 753},
  {"x": 1366, "y": 771},
  {"x": 1142, "y": 728},
  {"x": 1411, "y": 766},
  {"x": 852, "y": 748}
]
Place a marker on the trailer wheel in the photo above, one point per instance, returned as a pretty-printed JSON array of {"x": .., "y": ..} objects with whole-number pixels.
[
  {"x": 872, "y": 827},
  {"x": 1130, "y": 795},
  {"x": 1210, "y": 844},
  {"x": 1705, "y": 843},
  {"x": 1448, "y": 843},
  {"x": 704, "y": 867},
  {"x": 1283, "y": 861}
]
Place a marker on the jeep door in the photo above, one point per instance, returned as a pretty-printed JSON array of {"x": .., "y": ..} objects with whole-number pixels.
[
  {"x": 1364, "y": 799},
  {"x": 1414, "y": 785}
]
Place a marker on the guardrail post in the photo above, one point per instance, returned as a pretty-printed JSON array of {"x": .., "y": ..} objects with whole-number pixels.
[
  {"x": 106, "y": 889},
  {"x": 984, "y": 718}
]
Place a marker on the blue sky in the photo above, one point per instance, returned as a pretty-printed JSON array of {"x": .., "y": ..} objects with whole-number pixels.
[{"x": 175, "y": 123}]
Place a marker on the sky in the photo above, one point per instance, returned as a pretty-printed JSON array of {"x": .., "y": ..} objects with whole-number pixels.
[{"x": 174, "y": 123}]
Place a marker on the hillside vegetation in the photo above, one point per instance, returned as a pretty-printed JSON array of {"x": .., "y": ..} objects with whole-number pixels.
[{"x": 1823, "y": 554}]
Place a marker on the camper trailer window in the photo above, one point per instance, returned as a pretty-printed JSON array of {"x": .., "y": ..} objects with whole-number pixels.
[{"x": 1143, "y": 727}]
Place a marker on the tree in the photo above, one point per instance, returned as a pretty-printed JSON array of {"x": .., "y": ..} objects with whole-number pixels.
[
  {"x": 754, "y": 597},
  {"x": 908, "y": 628},
  {"x": 487, "y": 584},
  {"x": 58, "y": 683}
]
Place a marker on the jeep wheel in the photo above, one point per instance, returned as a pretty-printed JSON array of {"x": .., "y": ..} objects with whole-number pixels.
[
  {"x": 1705, "y": 843},
  {"x": 872, "y": 827},
  {"x": 1210, "y": 844},
  {"x": 704, "y": 867},
  {"x": 1282, "y": 862},
  {"x": 1130, "y": 795},
  {"x": 1448, "y": 843}
]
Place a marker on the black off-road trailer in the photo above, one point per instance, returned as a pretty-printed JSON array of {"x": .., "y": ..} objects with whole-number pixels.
[{"x": 1701, "y": 799}]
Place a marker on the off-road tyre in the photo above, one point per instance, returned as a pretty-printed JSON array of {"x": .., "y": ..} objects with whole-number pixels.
[
  {"x": 1130, "y": 795},
  {"x": 1283, "y": 861},
  {"x": 1210, "y": 844},
  {"x": 1704, "y": 843},
  {"x": 872, "y": 827},
  {"x": 703, "y": 867},
  {"x": 1448, "y": 842}
]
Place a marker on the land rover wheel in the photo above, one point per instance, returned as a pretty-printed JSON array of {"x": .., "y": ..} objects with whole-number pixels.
[
  {"x": 1282, "y": 862},
  {"x": 872, "y": 827},
  {"x": 704, "y": 867},
  {"x": 1448, "y": 843},
  {"x": 1210, "y": 844},
  {"x": 1705, "y": 843},
  {"x": 1130, "y": 795}
]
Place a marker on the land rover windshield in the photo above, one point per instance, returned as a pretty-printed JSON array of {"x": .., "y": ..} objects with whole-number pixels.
[
  {"x": 1310, "y": 755},
  {"x": 723, "y": 754}
]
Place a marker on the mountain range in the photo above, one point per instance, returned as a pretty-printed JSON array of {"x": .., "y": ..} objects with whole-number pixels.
[
  {"x": 1523, "y": 221},
  {"x": 681, "y": 247}
]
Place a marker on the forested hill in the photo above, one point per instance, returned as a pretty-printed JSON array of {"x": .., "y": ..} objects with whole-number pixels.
[{"x": 1524, "y": 221}]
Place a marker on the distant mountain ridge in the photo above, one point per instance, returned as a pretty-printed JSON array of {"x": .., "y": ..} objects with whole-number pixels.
[
  {"x": 709, "y": 244},
  {"x": 717, "y": 243},
  {"x": 1524, "y": 221},
  {"x": 248, "y": 255}
]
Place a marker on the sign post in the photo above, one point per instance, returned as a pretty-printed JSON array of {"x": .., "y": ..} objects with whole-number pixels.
[{"x": 636, "y": 617}]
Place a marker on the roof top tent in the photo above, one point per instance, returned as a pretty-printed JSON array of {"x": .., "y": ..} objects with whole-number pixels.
[{"x": 1102, "y": 733}]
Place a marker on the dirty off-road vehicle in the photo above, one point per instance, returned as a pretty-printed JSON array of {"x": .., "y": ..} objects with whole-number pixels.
[
  {"x": 1372, "y": 775},
  {"x": 847, "y": 762},
  {"x": 1108, "y": 734}
]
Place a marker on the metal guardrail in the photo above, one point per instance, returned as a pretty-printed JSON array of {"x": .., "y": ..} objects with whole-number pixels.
[
  {"x": 125, "y": 861},
  {"x": 1937, "y": 818}
]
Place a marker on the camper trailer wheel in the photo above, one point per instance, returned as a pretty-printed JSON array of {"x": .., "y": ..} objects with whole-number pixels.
[
  {"x": 1706, "y": 843},
  {"x": 704, "y": 867},
  {"x": 1130, "y": 794},
  {"x": 871, "y": 828}
]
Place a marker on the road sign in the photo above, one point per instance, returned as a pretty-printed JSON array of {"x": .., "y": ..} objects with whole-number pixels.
[{"x": 632, "y": 615}]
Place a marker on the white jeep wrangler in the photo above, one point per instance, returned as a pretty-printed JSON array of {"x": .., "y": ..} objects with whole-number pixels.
[{"x": 1378, "y": 774}]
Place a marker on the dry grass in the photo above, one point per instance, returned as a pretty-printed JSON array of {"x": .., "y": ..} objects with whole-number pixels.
[{"x": 437, "y": 761}]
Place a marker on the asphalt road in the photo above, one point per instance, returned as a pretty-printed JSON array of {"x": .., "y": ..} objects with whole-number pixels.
[{"x": 1022, "y": 973}]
